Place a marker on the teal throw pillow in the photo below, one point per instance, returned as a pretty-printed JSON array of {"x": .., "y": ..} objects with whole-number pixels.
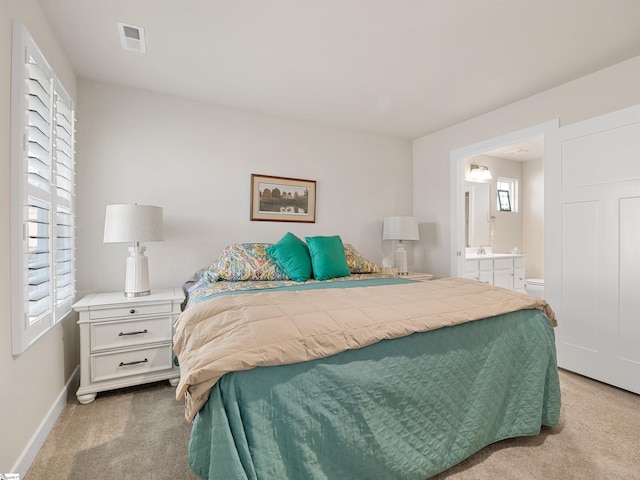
[
  {"x": 292, "y": 256},
  {"x": 328, "y": 259}
]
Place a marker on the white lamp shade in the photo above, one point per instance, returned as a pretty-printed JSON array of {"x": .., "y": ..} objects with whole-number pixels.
[
  {"x": 133, "y": 223},
  {"x": 400, "y": 228}
]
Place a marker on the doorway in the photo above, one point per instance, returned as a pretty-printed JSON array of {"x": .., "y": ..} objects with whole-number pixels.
[{"x": 459, "y": 234}]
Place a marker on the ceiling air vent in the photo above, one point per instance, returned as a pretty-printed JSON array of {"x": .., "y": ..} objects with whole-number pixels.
[{"x": 132, "y": 37}]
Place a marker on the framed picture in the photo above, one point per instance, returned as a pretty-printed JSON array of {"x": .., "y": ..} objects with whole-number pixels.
[
  {"x": 504, "y": 200},
  {"x": 282, "y": 199}
]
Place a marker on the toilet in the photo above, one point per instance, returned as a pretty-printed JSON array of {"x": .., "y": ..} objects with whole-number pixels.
[{"x": 534, "y": 287}]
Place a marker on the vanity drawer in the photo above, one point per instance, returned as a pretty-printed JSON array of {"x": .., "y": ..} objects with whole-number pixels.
[
  {"x": 471, "y": 266},
  {"x": 485, "y": 265},
  {"x": 138, "y": 310},
  {"x": 106, "y": 366},
  {"x": 127, "y": 333},
  {"x": 503, "y": 264}
]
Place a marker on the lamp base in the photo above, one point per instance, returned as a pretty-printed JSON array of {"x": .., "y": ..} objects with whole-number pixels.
[
  {"x": 400, "y": 259},
  {"x": 136, "y": 282},
  {"x": 136, "y": 294}
]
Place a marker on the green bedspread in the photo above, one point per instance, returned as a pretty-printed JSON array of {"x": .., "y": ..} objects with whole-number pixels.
[{"x": 407, "y": 408}]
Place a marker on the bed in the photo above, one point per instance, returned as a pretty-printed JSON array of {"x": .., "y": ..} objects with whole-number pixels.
[{"x": 357, "y": 376}]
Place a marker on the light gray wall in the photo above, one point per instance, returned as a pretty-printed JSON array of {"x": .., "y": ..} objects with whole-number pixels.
[
  {"x": 604, "y": 91},
  {"x": 195, "y": 160},
  {"x": 32, "y": 382},
  {"x": 533, "y": 217}
]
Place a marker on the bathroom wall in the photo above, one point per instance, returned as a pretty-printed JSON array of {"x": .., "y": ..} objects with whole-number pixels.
[
  {"x": 533, "y": 217},
  {"x": 523, "y": 229},
  {"x": 506, "y": 227}
]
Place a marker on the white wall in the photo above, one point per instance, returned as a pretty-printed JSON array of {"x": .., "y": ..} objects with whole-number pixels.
[
  {"x": 195, "y": 160},
  {"x": 601, "y": 92},
  {"x": 32, "y": 382},
  {"x": 533, "y": 217}
]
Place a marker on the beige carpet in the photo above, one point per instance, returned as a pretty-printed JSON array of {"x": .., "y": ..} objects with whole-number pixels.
[
  {"x": 140, "y": 433},
  {"x": 598, "y": 438},
  {"x": 134, "y": 433}
]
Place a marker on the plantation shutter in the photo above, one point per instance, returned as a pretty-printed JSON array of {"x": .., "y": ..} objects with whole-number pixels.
[
  {"x": 43, "y": 204},
  {"x": 64, "y": 219},
  {"x": 39, "y": 195}
]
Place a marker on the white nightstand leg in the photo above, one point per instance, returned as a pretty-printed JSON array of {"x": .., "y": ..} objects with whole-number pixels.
[{"x": 86, "y": 398}]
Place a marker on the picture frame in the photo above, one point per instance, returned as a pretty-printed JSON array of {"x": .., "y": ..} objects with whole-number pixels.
[
  {"x": 504, "y": 201},
  {"x": 282, "y": 199}
]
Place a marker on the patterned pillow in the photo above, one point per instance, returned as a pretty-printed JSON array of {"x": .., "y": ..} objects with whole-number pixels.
[
  {"x": 357, "y": 263},
  {"x": 244, "y": 261}
]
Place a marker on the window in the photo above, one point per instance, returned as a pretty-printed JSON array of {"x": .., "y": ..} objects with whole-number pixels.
[
  {"x": 504, "y": 201},
  {"x": 43, "y": 207},
  {"x": 507, "y": 200}
]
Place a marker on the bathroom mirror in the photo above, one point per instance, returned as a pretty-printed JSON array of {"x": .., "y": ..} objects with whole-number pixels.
[{"x": 477, "y": 198}]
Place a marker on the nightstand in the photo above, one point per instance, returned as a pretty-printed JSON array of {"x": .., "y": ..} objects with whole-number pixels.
[
  {"x": 126, "y": 341},
  {"x": 421, "y": 277}
]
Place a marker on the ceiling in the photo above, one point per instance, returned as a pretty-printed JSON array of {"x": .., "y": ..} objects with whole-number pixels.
[
  {"x": 528, "y": 150},
  {"x": 399, "y": 67}
]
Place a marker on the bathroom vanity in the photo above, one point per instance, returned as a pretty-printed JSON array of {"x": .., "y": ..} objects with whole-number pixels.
[{"x": 504, "y": 270}]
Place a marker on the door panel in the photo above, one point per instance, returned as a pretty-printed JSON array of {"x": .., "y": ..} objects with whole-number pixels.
[
  {"x": 582, "y": 157},
  {"x": 629, "y": 337},
  {"x": 580, "y": 275}
]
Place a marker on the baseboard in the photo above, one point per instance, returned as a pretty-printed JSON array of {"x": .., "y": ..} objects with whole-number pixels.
[{"x": 35, "y": 443}]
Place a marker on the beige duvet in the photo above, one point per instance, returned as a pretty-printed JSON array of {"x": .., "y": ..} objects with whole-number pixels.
[{"x": 243, "y": 331}]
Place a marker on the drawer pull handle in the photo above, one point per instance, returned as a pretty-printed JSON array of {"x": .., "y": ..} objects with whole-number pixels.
[
  {"x": 132, "y": 311},
  {"x": 123, "y": 364},
  {"x": 122, "y": 334}
]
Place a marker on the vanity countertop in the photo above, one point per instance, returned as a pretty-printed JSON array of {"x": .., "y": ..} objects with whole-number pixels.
[{"x": 476, "y": 256}]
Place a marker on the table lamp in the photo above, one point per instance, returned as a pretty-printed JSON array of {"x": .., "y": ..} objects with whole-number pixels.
[
  {"x": 134, "y": 223},
  {"x": 400, "y": 228}
]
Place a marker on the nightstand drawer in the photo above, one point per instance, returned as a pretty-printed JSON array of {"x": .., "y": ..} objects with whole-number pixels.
[
  {"x": 137, "y": 310},
  {"x": 106, "y": 366},
  {"x": 110, "y": 335}
]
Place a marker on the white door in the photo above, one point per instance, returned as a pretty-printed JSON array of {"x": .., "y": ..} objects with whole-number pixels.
[{"x": 592, "y": 246}]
